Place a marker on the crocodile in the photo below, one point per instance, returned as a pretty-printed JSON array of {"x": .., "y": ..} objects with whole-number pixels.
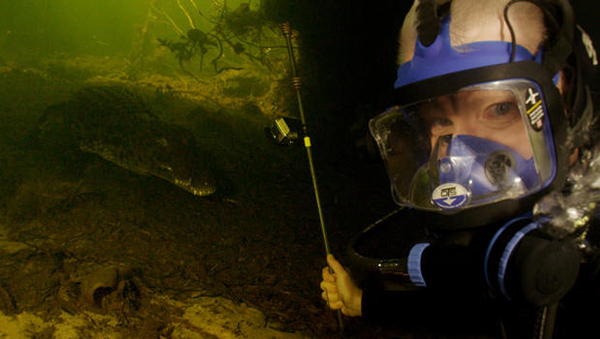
[{"x": 115, "y": 123}]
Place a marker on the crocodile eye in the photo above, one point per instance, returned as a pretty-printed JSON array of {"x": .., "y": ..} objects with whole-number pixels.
[{"x": 163, "y": 142}]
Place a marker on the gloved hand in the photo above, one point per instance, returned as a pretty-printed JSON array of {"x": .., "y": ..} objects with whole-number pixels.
[{"x": 339, "y": 290}]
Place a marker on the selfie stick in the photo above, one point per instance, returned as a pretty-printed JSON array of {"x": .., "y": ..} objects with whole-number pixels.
[{"x": 296, "y": 83}]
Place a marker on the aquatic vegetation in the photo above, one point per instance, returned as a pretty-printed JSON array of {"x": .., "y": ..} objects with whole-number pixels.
[
  {"x": 232, "y": 53},
  {"x": 240, "y": 32},
  {"x": 245, "y": 29},
  {"x": 195, "y": 42}
]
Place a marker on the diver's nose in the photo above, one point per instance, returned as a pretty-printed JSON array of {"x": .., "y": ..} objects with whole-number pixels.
[{"x": 463, "y": 125}]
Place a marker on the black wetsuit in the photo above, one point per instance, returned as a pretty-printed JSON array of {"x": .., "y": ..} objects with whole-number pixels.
[{"x": 458, "y": 300}]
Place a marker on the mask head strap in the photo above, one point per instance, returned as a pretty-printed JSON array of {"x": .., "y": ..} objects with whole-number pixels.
[{"x": 440, "y": 57}]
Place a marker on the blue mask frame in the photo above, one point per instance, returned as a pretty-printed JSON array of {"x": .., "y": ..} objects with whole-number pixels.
[{"x": 441, "y": 58}]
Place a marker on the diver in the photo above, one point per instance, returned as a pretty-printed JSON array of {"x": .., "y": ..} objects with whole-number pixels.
[{"x": 491, "y": 130}]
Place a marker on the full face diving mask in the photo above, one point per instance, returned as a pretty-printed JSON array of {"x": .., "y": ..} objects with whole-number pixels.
[{"x": 471, "y": 128}]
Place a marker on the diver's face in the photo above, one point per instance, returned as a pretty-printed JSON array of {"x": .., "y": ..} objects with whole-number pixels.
[{"x": 488, "y": 114}]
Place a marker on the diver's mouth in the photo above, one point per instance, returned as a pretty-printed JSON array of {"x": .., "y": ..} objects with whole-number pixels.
[{"x": 206, "y": 189}]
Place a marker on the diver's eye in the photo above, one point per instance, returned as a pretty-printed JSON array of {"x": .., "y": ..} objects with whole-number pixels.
[
  {"x": 504, "y": 108},
  {"x": 500, "y": 115}
]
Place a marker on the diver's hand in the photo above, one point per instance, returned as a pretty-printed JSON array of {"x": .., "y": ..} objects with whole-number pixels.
[{"x": 339, "y": 290}]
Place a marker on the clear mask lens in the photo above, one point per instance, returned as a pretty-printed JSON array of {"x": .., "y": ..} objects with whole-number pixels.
[{"x": 479, "y": 145}]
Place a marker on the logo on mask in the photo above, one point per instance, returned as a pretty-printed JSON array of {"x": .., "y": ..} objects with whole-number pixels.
[
  {"x": 535, "y": 108},
  {"x": 450, "y": 196}
]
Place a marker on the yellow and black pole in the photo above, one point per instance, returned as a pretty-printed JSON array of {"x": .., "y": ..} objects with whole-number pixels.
[{"x": 297, "y": 85}]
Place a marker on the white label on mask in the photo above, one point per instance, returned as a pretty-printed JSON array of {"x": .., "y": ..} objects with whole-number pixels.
[
  {"x": 535, "y": 108},
  {"x": 450, "y": 196}
]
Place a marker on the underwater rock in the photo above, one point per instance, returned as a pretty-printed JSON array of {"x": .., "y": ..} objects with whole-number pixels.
[
  {"x": 102, "y": 282},
  {"x": 114, "y": 123},
  {"x": 98, "y": 284}
]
